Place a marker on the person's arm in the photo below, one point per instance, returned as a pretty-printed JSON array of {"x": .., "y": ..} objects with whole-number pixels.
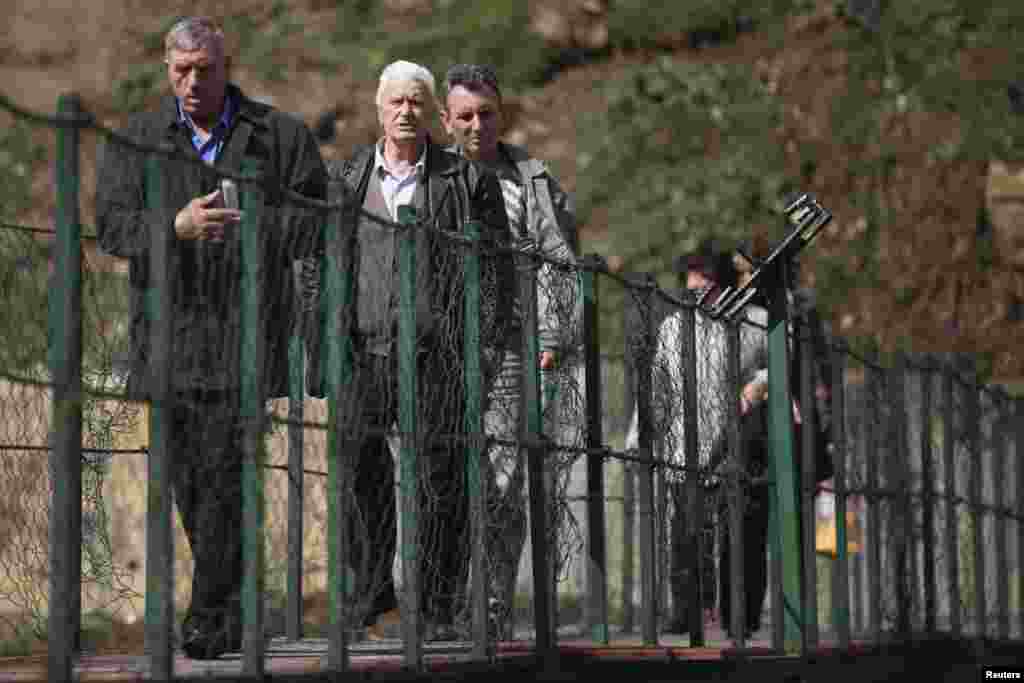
[
  {"x": 122, "y": 217},
  {"x": 558, "y": 302},
  {"x": 299, "y": 227}
]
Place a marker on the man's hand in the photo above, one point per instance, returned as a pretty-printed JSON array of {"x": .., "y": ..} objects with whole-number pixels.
[
  {"x": 205, "y": 219},
  {"x": 752, "y": 393},
  {"x": 547, "y": 360}
]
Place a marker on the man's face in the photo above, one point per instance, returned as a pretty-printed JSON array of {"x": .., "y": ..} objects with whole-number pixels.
[
  {"x": 697, "y": 281},
  {"x": 199, "y": 80},
  {"x": 404, "y": 110},
  {"x": 473, "y": 119}
]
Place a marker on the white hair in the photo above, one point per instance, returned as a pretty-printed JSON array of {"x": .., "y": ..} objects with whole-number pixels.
[{"x": 403, "y": 72}]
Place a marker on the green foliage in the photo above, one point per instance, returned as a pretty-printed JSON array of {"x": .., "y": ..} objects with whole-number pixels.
[
  {"x": 495, "y": 32},
  {"x": 682, "y": 152},
  {"x": 921, "y": 59},
  {"x": 639, "y": 23},
  {"x": 21, "y": 644}
]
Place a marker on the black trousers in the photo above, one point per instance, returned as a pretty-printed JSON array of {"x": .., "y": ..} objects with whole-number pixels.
[
  {"x": 206, "y": 442},
  {"x": 369, "y": 409},
  {"x": 755, "y": 561}
]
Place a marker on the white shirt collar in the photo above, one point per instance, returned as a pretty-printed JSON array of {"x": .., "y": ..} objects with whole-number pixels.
[{"x": 379, "y": 163}]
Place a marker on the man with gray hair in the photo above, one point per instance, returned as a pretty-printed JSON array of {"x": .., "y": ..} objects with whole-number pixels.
[
  {"x": 210, "y": 125},
  {"x": 543, "y": 222},
  {"x": 406, "y": 168}
]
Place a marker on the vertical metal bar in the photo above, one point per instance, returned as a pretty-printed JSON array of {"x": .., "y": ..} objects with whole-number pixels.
[
  {"x": 999, "y": 476},
  {"x": 597, "y": 557},
  {"x": 338, "y": 275},
  {"x": 1018, "y": 467},
  {"x": 536, "y": 456},
  {"x": 863, "y": 448},
  {"x": 475, "y": 446},
  {"x": 841, "y": 567},
  {"x": 159, "y": 491},
  {"x": 786, "y": 533},
  {"x": 874, "y": 521},
  {"x": 928, "y": 502},
  {"x": 251, "y": 359},
  {"x": 408, "y": 394},
  {"x": 977, "y": 513},
  {"x": 296, "y": 368},
  {"x": 693, "y": 517},
  {"x": 645, "y": 472},
  {"x": 65, "y": 360},
  {"x": 952, "y": 518},
  {"x": 631, "y": 321},
  {"x": 628, "y": 546},
  {"x": 808, "y": 483},
  {"x": 735, "y": 483},
  {"x": 901, "y": 508}
]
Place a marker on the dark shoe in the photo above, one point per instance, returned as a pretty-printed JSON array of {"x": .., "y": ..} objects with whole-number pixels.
[
  {"x": 210, "y": 635},
  {"x": 677, "y": 627},
  {"x": 442, "y": 632}
]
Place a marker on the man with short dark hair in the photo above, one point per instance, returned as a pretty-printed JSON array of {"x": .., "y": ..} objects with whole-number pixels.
[
  {"x": 542, "y": 221},
  {"x": 207, "y": 120}
]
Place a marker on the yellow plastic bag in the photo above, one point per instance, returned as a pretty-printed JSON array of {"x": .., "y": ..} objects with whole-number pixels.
[{"x": 825, "y": 523}]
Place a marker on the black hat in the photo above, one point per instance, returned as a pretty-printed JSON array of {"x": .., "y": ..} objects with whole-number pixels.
[{"x": 708, "y": 260}]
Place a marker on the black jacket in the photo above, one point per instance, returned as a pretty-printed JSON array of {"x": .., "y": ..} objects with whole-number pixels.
[
  {"x": 206, "y": 276},
  {"x": 456, "y": 190}
]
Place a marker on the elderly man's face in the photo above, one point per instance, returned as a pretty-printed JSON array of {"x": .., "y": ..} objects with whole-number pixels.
[
  {"x": 404, "y": 111},
  {"x": 199, "y": 80},
  {"x": 473, "y": 119}
]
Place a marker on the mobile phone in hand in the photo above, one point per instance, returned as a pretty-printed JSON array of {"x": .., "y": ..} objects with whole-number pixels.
[{"x": 229, "y": 193}]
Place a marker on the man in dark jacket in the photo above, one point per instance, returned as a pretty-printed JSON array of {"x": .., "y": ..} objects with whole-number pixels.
[
  {"x": 208, "y": 121},
  {"x": 405, "y": 168}
]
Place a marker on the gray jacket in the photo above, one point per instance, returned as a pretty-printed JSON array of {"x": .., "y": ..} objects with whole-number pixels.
[
  {"x": 551, "y": 230},
  {"x": 455, "y": 191}
]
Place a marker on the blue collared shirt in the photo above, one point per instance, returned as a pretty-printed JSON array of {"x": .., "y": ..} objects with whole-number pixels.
[{"x": 211, "y": 148}]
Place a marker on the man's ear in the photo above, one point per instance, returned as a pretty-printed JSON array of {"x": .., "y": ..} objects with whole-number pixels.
[{"x": 445, "y": 119}]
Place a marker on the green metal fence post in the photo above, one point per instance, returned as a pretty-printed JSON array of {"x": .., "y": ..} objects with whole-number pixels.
[
  {"x": 251, "y": 359},
  {"x": 65, "y": 360},
  {"x": 597, "y": 559},
  {"x": 786, "y": 530},
  {"x": 338, "y": 277},
  {"x": 475, "y": 446},
  {"x": 296, "y": 486},
  {"x": 159, "y": 492},
  {"x": 408, "y": 403}
]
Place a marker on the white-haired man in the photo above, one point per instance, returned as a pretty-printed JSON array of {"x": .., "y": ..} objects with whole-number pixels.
[
  {"x": 542, "y": 221},
  {"x": 209, "y": 121},
  {"x": 406, "y": 168}
]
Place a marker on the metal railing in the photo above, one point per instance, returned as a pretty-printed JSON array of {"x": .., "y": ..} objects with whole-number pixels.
[{"x": 919, "y": 444}]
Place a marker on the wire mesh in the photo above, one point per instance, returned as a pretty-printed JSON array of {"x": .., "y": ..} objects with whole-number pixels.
[{"x": 669, "y": 406}]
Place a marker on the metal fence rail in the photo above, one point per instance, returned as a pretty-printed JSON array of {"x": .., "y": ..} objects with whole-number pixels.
[{"x": 919, "y": 529}]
